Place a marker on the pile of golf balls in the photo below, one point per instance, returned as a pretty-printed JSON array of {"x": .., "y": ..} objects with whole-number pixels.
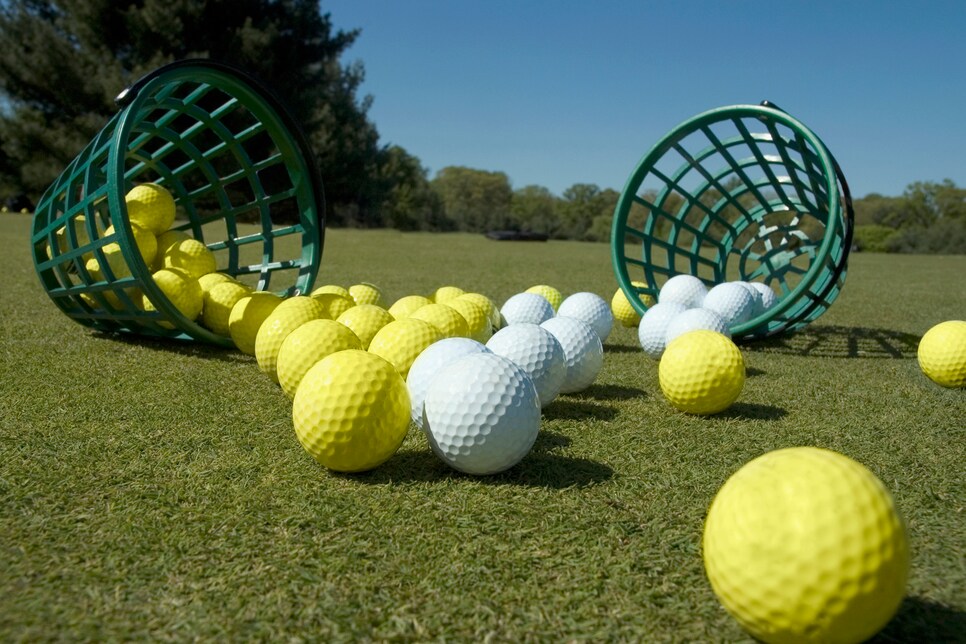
[{"x": 685, "y": 304}]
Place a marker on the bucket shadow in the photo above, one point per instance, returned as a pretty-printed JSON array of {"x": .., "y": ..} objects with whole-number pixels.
[
  {"x": 920, "y": 620},
  {"x": 189, "y": 348},
  {"x": 842, "y": 342},
  {"x": 540, "y": 468}
]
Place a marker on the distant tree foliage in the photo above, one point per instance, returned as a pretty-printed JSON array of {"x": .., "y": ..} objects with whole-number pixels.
[
  {"x": 63, "y": 62},
  {"x": 929, "y": 217}
]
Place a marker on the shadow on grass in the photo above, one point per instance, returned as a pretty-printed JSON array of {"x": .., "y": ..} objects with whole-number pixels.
[
  {"x": 754, "y": 411},
  {"x": 190, "y": 348},
  {"x": 920, "y": 620},
  {"x": 548, "y": 441},
  {"x": 540, "y": 468},
  {"x": 842, "y": 342},
  {"x": 751, "y": 372},
  {"x": 622, "y": 348},
  {"x": 611, "y": 392},
  {"x": 567, "y": 409}
]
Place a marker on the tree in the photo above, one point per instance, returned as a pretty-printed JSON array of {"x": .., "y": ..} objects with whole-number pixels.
[
  {"x": 410, "y": 202},
  {"x": 475, "y": 200},
  {"x": 63, "y": 63},
  {"x": 582, "y": 204},
  {"x": 534, "y": 208}
]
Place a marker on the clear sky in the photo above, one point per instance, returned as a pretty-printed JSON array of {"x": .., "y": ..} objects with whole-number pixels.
[{"x": 564, "y": 92}]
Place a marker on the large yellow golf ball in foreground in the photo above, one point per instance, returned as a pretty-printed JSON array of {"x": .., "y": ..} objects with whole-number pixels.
[
  {"x": 942, "y": 353},
  {"x": 701, "y": 372},
  {"x": 805, "y": 545},
  {"x": 351, "y": 411}
]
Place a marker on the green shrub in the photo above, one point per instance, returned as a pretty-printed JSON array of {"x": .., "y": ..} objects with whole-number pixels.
[{"x": 872, "y": 238}]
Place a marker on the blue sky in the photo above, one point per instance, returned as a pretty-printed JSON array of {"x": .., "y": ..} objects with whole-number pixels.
[{"x": 558, "y": 93}]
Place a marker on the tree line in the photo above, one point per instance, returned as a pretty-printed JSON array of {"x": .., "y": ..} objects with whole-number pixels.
[{"x": 63, "y": 63}]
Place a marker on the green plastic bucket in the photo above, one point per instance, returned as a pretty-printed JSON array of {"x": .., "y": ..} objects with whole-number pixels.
[
  {"x": 243, "y": 178},
  {"x": 745, "y": 192}
]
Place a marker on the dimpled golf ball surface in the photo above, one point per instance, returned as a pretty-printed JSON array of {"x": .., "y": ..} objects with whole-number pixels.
[
  {"x": 536, "y": 351},
  {"x": 482, "y": 414},
  {"x": 526, "y": 308},
  {"x": 701, "y": 372},
  {"x": 652, "y": 330},
  {"x": 622, "y": 309},
  {"x": 942, "y": 354},
  {"x": 768, "y": 297},
  {"x": 428, "y": 364},
  {"x": 592, "y": 309},
  {"x": 401, "y": 341},
  {"x": 583, "y": 352},
  {"x": 693, "y": 320},
  {"x": 805, "y": 545},
  {"x": 351, "y": 411},
  {"x": 732, "y": 301},
  {"x": 550, "y": 293},
  {"x": 308, "y": 344},
  {"x": 683, "y": 289}
]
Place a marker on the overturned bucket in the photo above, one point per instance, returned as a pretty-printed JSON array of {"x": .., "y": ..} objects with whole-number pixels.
[
  {"x": 243, "y": 179},
  {"x": 745, "y": 192}
]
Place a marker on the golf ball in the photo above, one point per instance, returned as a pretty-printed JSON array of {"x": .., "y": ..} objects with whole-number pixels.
[
  {"x": 482, "y": 414},
  {"x": 308, "y": 344},
  {"x": 732, "y": 301},
  {"x": 652, "y": 330},
  {"x": 351, "y": 411},
  {"x": 536, "y": 351},
  {"x": 621, "y": 307},
  {"x": 768, "y": 297},
  {"x": 428, "y": 364},
  {"x": 553, "y": 295},
  {"x": 526, "y": 308},
  {"x": 942, "y": 353},
  {"x": 592, "y": 309},
  {"x": 701, "y": 372},
  {"x": 692, "y": 320},
  {"x": 683, "y": 289},
  {"x": 806, "y": 545},
  {"x": 583, "y": 352},
  {"x": 401, "y": 341}
]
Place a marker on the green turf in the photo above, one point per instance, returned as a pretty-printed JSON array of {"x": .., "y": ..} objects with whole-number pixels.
[{"x": 153, "y": 490}]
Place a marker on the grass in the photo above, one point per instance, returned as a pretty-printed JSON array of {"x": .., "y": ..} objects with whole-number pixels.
[{"x": 156, "y": 490}]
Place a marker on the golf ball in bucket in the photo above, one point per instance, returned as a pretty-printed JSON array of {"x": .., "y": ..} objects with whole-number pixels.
[
  {"x": 683, "y": 289},
  {"x": 482, "y": 414},
  {"x": 806, "y": 545}
]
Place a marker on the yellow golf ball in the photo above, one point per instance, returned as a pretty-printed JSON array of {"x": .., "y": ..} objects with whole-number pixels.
[
  {"x": 209, "y": 280},
  {"x": 332, "y": 288},
  {"x": 190, "y": 256},
  {"x": 492, "y": 311},
  {"x": 477, "y": 320},
  {"x": 247, "y": 317},
  {"x": 182, "y": 290},
  {"x": 150, "y": 205},
  {"x": 308, "y": 344},
  {"x": 806, "y": 545},
  {"x": 445, "y": 293},
  {"x": 365, "y": 294},
  {"x": 551, "y": 294},
  {"x": 165, "y": 241},
  {"x": 219, "y": 301},
  {"x": 449, "y": 322},
  {"x": 365, "y": 320},
  {"x": 144, "y": 239},
  {"x": 621, "y": 307},
  {"x": 942, "y": 353},
  {"x": 701, "y": 372},
  {"x": 287, "y": 316},
  {"x": 406, "y": 306},
  {"x": 351, "y": 411},
  {"x": 333, "y": 304},
  {"x": 400, "y": 342}
]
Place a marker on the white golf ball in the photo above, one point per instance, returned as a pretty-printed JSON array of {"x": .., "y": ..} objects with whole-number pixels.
[
  {"x": 768, "y": 297},
  {"x": 482, "y": 414},
  {"x": 592, "y": 309},
  {"x": 683, "y": 289},
  {"x": 732, "y": 301},
  {"x": 583, "y": 351},
  {"x": 692, "y": 320},
  {"x": 653, "y": 327},
  {"x": 428, "y": 364},
  {"x": 526, "y": 308},
  {"x": 536, "y": 351},
  {"x": 756, "y": 295}
]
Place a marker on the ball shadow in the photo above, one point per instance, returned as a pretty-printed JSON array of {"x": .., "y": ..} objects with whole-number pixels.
[
  {"x": 751, "y": 372},
  {"x": 567, "y": 409},
  {"x": 752, "y": 411},
  {"x": 540, "y": 468},
  {"x": 548, "y": 441},
  {"x": 841, "y": 342},
  {"x": 611, "y": 392},
  {"x": 621, "y": 348},
  {"x": 921, "y": 620}
]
